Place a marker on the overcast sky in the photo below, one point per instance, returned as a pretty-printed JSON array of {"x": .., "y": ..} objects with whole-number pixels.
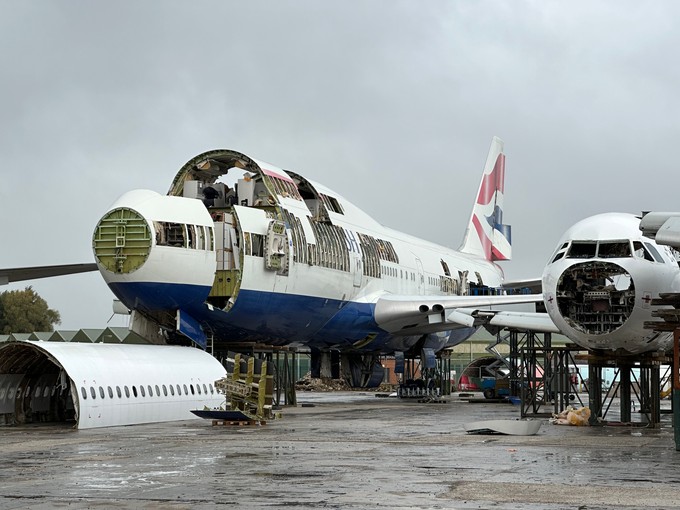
[{"x": 390, "y": 103}]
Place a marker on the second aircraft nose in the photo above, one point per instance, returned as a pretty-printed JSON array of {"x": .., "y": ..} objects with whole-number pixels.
[{"x": 595, "y": 297}]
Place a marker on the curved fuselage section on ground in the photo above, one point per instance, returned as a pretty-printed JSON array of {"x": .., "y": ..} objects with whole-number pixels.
[
  {"x": 599, "y": 284},
  {"x": 243, "y": 250},
  {"x": 103, "y": 385}
]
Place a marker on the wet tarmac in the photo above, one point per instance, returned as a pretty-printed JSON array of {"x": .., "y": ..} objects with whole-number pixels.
[{"x": 348, "y": 451}]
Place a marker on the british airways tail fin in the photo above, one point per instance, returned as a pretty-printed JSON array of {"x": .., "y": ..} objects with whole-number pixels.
[{"x": 486, "y": 236}]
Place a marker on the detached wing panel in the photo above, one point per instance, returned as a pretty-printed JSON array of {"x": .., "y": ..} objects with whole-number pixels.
[{"x": 414, "y": 315}]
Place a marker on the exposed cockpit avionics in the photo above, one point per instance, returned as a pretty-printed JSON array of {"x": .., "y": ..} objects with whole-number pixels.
[{"x": 241, "y": 250}]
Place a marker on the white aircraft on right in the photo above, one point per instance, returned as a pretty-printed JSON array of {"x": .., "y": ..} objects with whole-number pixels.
[{"x": 599, "y": 283}]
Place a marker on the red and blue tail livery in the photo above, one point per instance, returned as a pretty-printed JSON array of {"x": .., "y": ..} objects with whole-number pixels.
[{"x": 486, "y": 235}]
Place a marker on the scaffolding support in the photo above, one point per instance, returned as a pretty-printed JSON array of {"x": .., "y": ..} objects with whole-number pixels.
[
  {"x": 429, "y": 383},
  {"x": 676, "y": 387},
  {"x": 548, "y": 385},
  {"x": 645, "y": 390}
]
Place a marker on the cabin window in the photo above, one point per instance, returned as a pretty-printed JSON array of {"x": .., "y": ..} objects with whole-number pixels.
[
  {"x": 186, "y": 392},
  {"x": 158, "y": 391},
  {"x": 179, "y": 390},
  {"x": 118, "y": 392},
  {"x": 172, "y": 390},
  {"x": 445, "y": 267},
  {"x": 212, "y": 390},
  {"x": 191, "y": 387},
  {"x": 93, "y": 392},
  {"x": 198, "y": 388},
  {"x": 201, "y": 237},
  {"x": 190, "y": 237},
  {"x": 246, "y": 243},
  {"x": 331, "y": 203},
  {"x": 83, "y": 392},
  {"x": 150, "y": 390},
  {"x": 165, "y": 390},
  {"x": 174, "y": 234},
  {"x": 127, "y": 391},
  {"x": 257, "y": 245},
  {"x": 134, "y": 391},
  {"x": 101, "y": 392},
  {"x": 205, "y": 390},
  {"x": 142, "y": 390},
  {"x": 110, "y": 390},
  {"x": 210, "y": 239}
]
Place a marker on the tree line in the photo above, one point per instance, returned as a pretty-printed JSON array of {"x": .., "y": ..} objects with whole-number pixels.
[{"x": 24, "y": 311}]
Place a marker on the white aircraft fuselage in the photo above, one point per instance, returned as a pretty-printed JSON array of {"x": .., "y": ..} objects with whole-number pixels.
[
  {"x": 599, "y": 283},
  {"x": 242, "y": 250}
]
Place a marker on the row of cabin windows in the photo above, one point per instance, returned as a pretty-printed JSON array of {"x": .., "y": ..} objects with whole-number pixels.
[
  {"x": 445, "y": 283},
  {"x": 397, "y": 273},
  {"x": 150, "y": 389},
  {"x": 181, "y": 235}
]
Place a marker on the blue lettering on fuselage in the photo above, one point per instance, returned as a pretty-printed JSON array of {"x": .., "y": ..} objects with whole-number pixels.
[{"x": 352, "y": 244}]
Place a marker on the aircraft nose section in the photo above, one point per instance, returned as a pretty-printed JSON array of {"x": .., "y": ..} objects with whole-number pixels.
[
  {"x": 122, "y": 241},
  {"x": 595, "y": 297}
]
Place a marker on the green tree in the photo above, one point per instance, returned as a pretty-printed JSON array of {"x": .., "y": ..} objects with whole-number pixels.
[{"x": 24, "y": 311}]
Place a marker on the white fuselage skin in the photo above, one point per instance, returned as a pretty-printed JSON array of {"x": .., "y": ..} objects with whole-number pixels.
[
  {"x": 599, "y": 283},
  {"x": 283, "y": 260}
]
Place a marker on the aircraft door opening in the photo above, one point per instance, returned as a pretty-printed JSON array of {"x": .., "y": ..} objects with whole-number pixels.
[{"x": 420, "y": 282}]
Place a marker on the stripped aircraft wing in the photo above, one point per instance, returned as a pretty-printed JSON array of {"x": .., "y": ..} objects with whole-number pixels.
[
  {"x": 32, "y": 273},
  {"x": 410, "y": 315}
]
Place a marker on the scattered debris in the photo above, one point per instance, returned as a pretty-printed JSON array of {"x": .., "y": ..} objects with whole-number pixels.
[
  {"x": 572, "y": 416},
  {"x": 325, "y": 384},
  {"x": 508, "y": 427}
]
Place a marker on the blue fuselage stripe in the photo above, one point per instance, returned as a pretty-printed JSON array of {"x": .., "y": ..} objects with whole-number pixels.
[{"x": 262, "y": 316}]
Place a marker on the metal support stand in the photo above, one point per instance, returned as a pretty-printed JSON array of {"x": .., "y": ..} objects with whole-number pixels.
[
  {"x": 547, "y": 386},
  {"x": 431, "y": 383},
  {"x": 676, "y": 387},
  {"x": 524, "y": 340},
  {"x": 646, "y": 389}
]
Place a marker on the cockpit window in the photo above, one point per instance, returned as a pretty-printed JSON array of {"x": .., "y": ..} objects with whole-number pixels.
[
  {"x": 657, "y": 256},
  {"x": 613, "y": 249},
  {"x": 641, "y": 252},
  {"x": 582, "y": 250}
]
